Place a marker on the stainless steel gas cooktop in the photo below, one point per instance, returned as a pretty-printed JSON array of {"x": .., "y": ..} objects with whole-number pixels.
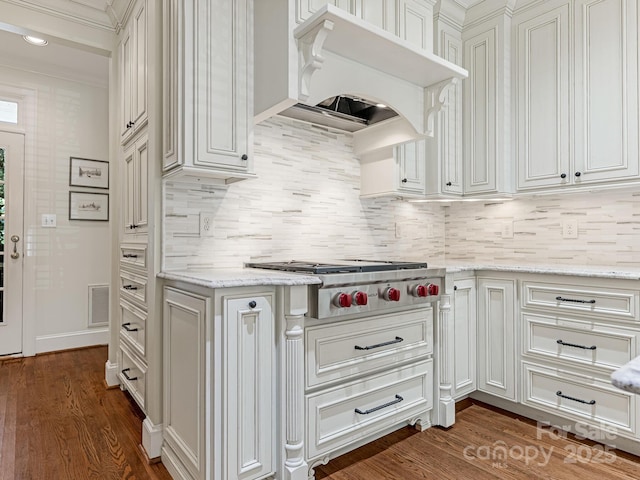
[{"x": 339, "y": 266}]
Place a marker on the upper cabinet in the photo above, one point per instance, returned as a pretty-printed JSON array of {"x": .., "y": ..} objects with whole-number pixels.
[
  {"x": 207, "y": 89},
  {"x": 133, "y": 71},
  {"x": 576, "y": 108}
]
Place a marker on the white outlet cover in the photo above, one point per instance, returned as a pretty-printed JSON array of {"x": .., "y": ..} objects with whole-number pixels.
[
  {"x": 570, "y": 228},
  {"x": 206, "y": 224}
]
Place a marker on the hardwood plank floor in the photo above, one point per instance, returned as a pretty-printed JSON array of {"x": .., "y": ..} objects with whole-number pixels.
[
  {"x": 59, "y": 422},
  {"x": 471, "y": 450}
]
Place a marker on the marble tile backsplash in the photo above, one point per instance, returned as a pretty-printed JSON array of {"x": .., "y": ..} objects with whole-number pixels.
[
  {"x": 304, "y": 204},
  {"x": 608, "y": 230}
]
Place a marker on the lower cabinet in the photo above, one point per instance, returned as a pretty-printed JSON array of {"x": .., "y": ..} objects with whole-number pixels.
[
  {"x": 464, "y": 337},
  {"x": 219, "y": 393},
  {"x": 496, "y": 337}
]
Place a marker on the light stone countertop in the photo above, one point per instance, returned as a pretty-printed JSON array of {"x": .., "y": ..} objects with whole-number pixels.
[
  {"x": 241, "y": 277},
  {"x": 627, "y": 377},
  {"x": 622, "y": 273}
]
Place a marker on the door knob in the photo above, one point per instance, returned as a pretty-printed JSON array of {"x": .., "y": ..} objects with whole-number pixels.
[{"x": 15, "y": 239}]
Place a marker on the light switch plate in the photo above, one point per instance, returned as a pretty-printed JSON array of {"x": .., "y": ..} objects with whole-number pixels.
[{"x": 49, "y": 220}]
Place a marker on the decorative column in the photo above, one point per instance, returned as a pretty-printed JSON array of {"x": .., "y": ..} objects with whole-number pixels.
[
  {"x": 447, "y": 406},
  {"x": 295, "y": 306}
]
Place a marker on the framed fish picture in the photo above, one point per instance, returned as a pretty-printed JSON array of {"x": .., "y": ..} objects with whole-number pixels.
[
  {"x": 84, "y": 172},
  {"x": 89, "y": 206}
]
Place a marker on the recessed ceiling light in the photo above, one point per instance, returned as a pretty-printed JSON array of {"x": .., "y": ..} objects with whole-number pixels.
[
  {"x": 38, "y": 42},
  {"x": 381, "y": 105}
]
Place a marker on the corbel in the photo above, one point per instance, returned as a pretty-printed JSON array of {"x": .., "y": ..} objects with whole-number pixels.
[
  {"x": 435, "y": 101},
  {"x": 310, "y": 46}
]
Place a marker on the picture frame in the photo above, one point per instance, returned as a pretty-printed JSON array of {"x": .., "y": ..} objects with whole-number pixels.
[
  {"x": 84, "y": 172},
  {"x": 90, "y": 206}
]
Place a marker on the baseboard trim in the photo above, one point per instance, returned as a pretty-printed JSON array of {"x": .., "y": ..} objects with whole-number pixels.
[
  {"x": 151, "y": 439},
  {"x": 66, "y": 341},
  {"x": 111, "y": 378}
]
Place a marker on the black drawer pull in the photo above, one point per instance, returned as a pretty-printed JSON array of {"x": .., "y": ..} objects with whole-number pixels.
[
  {"x": 375, "y": 409},
  {"x": 560, "y": 342},
  {"x": 371, "y": 347},
  {"x": 128, "y": 328},
  {"x": 590, "y": 402},
  {"x": 560, "y": 299},
  {"x": 124, "y": 373},
  {"x": 129, "y": 255},
  {"x": 129, "y": 287}
]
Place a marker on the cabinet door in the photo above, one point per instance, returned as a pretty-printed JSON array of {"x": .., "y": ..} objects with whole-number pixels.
[
  {"x": 184, "y": 375},
  {"x": 464, "y": 338},
  {"x": 141, "y": 214},
  {"x": 416, "y": 23},
  {"x": 223, "y": 65},
  {"x": 126, "y": 54},
  {"x": 606, "y": 104},
  {"x": 129, "y": 190},
  {"x": 411, "y": 167},
  {"x": 381, "y": 13},
  {"x": 496, "y": 337},
  {"x": 481, "y": 112},
  {"x": 138, "y": 113},
  {"x": 542, "y": 98},
  {"x": 250, "y": 387},
  {"x": 306, "y": 8}
]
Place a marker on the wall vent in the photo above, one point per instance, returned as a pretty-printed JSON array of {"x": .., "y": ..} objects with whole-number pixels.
[{"x": 98, "y": 305}]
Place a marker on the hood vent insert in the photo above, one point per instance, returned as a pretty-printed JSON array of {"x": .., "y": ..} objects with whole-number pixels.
[{"x": 343, "y": 112}]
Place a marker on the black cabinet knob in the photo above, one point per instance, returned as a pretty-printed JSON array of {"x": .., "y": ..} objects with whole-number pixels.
[
  {"x": 404, "y": 180},
  {"x": 252, "y": 304},
  {"x": 563, "y": 175},
  {"x": 449, "y": 184},
  {"x": 578, "y": 174},
  {"x": 244, "y": 157},
  {"x": 455, "y": 287}
]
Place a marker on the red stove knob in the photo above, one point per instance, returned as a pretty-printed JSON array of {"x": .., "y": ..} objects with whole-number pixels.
[
  {"x": 433, "y": 289},
  {"x": 342, "y": 300},
  {"x": 391, "y": 295},
  {"x": 420, "y": 291},
  {"x": 360, "y": 298}
]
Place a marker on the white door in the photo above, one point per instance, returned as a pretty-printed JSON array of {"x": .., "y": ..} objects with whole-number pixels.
[{"x": 11, "y": 241}]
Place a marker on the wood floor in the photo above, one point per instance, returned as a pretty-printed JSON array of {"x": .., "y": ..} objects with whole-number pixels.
[{"x": 58, "y": 422}]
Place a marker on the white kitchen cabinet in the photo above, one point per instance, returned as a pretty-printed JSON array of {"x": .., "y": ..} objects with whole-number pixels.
[
  {"x": 135, "y": 208},
  {"x": 398, "y": 170},
  {"x": 208, "y": 90},
  {"x": 487, "y": 155},
  {"x": 496, "y": 337},
  {"x": 133, "y": 70},
  {"x": 577, "y": 108},
  {"x": 416, "y": 23},
  {"x": 219, "y": 393},
  {"x": 464, "y": 337}
]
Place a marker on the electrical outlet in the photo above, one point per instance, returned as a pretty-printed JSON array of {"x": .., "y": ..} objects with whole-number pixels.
[
  {"x": 507, "y": 229},
  {"x": 206, "y": 224},
  {"x": 49, "y": 220},
  {"x": 570, "y": 228},
  {"x": 399, "y": 230},
  {"x": 429, "y": 230}
]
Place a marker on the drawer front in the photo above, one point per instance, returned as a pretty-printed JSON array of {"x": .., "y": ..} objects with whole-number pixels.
[
  {"x": 383, "y": 400},
  {"x": 133, "y": 322},
  {"x": 133, "y": 287},
  {"x": 592, "y": 301},
  {"x": 580, "y": 343},
  {"x": 587, "y": 399},
  {"x": 134, "y": 256},
  {"x": 133, "y": 375},
  {"x": 346, "y": 349}
]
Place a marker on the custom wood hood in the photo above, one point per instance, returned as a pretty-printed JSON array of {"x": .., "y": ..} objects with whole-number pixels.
[{"x": 336, "y": 53}]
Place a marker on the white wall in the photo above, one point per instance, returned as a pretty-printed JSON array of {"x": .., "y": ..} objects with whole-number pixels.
[
  {"x": 608, "y": 227},
  {"x": 304, "y": 205},
  {"x": 71, "y": 120}
]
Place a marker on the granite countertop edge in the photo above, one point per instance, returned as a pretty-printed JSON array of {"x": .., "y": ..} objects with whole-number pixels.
[
  {"x": 580, "y": 271},
  {"x": 627, "y": 377},
  {"x": 241, "y": 277}
]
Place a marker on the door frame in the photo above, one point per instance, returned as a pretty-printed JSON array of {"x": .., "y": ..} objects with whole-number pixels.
[{"x": 26, "y": 99}]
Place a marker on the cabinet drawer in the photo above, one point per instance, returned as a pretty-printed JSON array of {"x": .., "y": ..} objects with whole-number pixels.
[
  {"x": 346, "y": 349},
  {"x": 587, "y": 399},
  {"x": 133, "y": 322},
  {"x": 133, "y": 287},
  {"x": 134, "y": 256},
  {"x": 590, "y": 300},
  {"x": 389, "y": 398},
  {"x": 581, "y": 343},
  {"x": 133, "y": 374}
]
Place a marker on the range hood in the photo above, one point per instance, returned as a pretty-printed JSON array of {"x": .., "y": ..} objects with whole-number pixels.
[{"x": 336, "y": 55}]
